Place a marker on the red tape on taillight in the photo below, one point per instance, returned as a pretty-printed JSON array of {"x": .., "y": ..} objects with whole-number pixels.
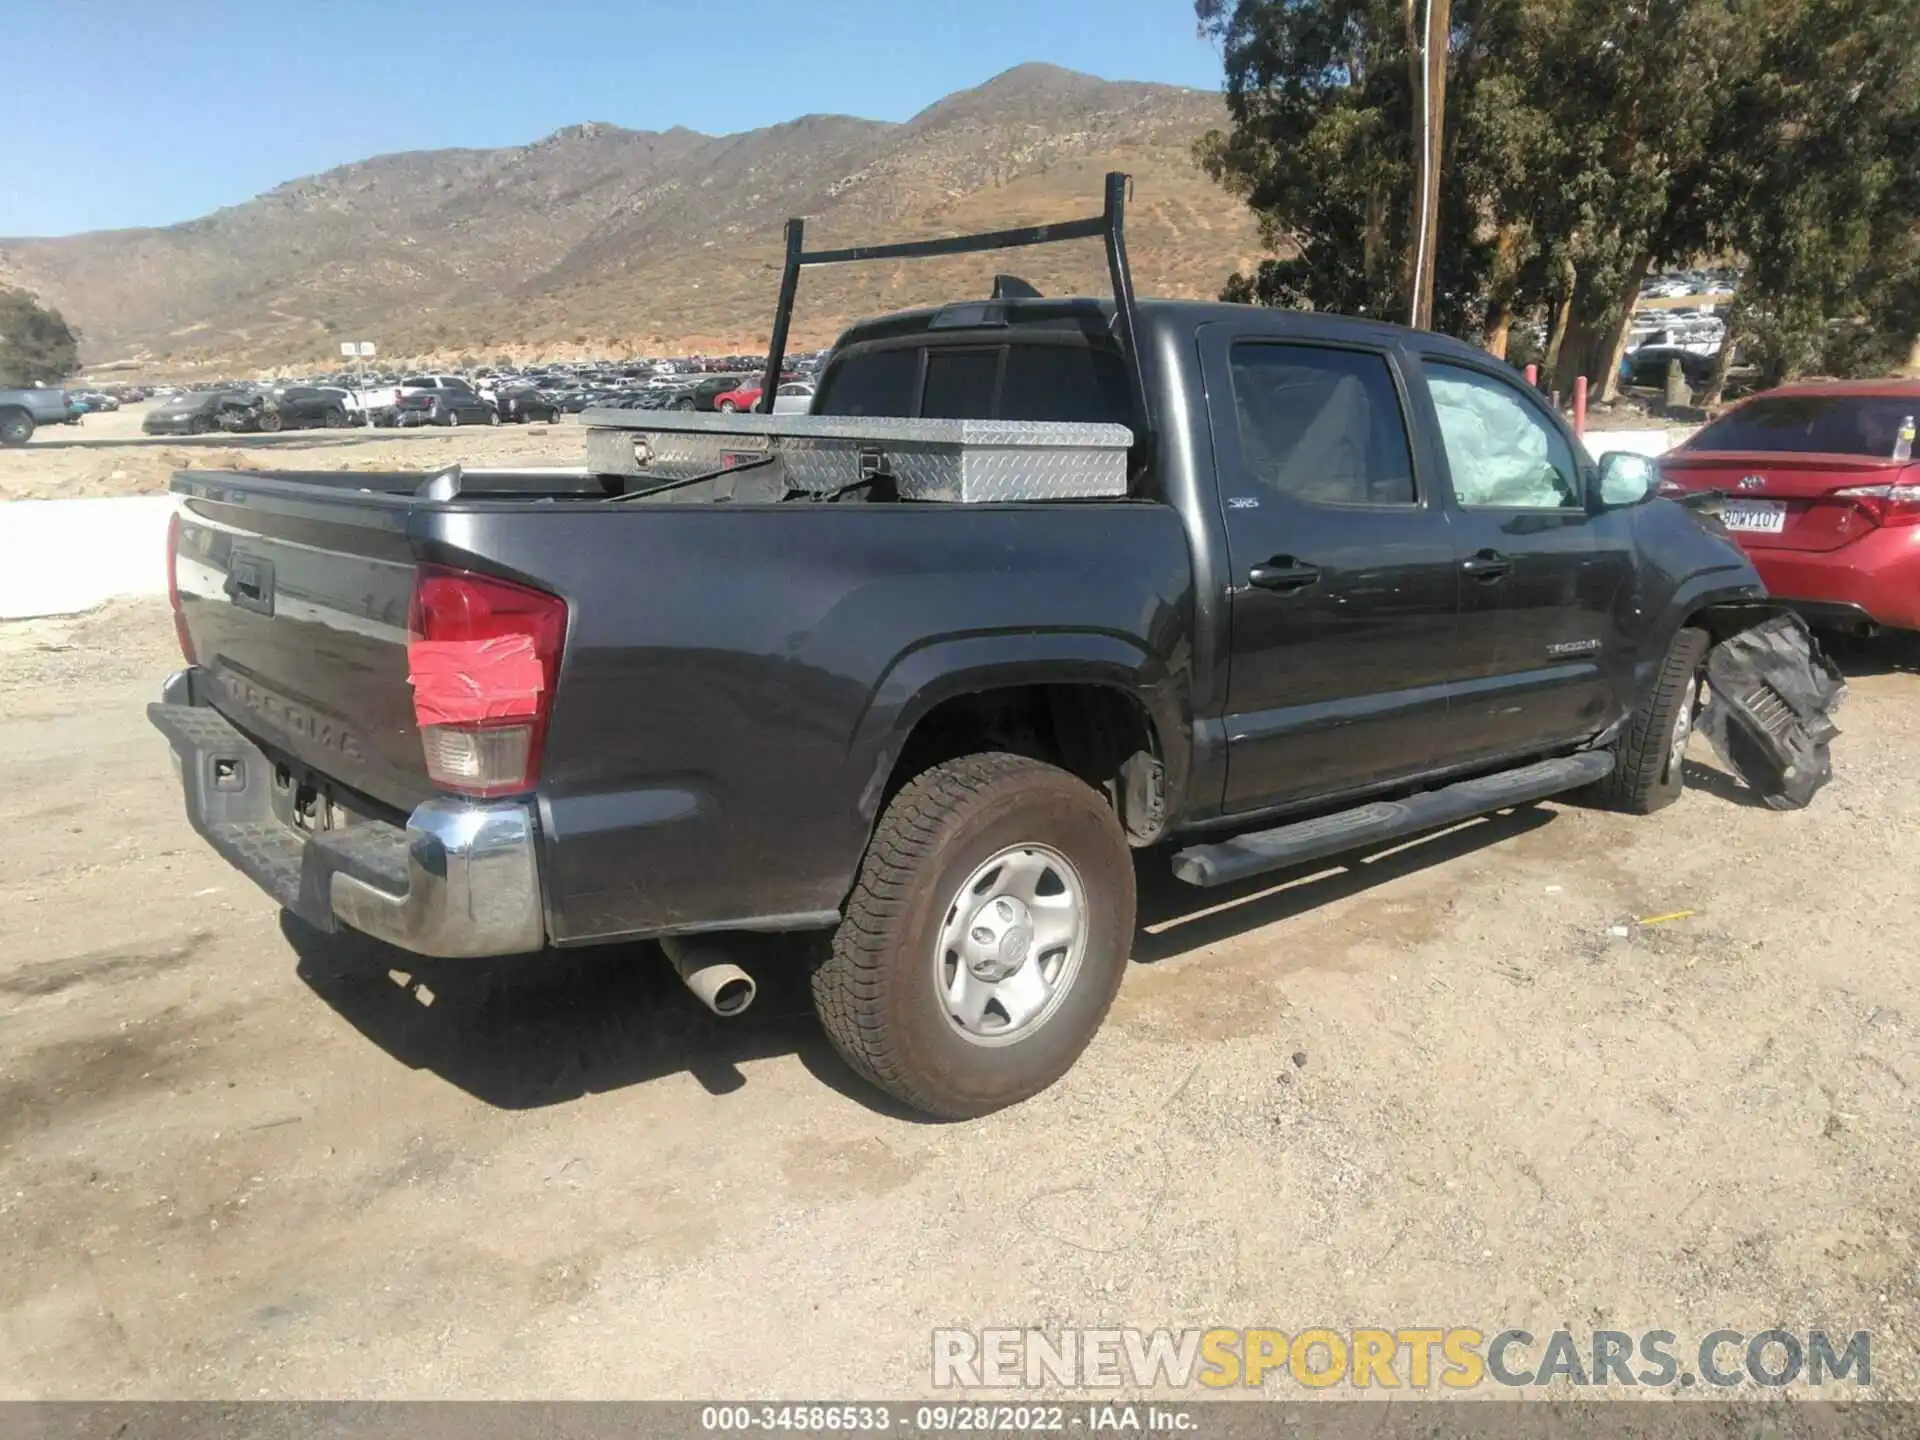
[{"x": 483, "y": 656}]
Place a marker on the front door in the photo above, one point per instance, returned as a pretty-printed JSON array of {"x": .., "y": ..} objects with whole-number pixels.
[
  {"x": 1543, "y": 574},
  {"x": 1344, "y": 578}
]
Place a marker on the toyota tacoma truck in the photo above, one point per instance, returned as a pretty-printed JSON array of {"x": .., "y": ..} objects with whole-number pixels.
[
  {"x": 24, "y": 411},
  {"x": 1042, "y": 589}
]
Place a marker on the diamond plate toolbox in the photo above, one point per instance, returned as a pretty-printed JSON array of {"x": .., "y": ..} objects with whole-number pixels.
[{"x": 968, "y": 462}]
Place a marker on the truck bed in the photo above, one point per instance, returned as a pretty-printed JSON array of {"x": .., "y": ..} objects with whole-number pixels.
[{"x": 736, "y": 677}]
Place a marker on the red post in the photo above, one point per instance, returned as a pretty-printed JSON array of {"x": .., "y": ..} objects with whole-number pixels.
[
  {"x": 1579, "y": 404},
  {"x": 1533, "y": 376}
]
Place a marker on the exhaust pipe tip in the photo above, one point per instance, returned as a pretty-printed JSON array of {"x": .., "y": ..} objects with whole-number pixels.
[
  {"x": 732, "y": 993},
  {"x": 716, "y": 982}
]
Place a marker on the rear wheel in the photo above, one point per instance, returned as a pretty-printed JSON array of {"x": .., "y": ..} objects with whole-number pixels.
[
  {"x": 986, "y": 936},
  {"x": 1650, "y": 755},
  {"x": 453, "y": 417},
  {"x": 727, "y": 407},
  {"x": 336, "y": 419},
  {"x": 271, "y": 421},
  {"x": 16, "y": 427},
  {"x": 493, "y": 417}
]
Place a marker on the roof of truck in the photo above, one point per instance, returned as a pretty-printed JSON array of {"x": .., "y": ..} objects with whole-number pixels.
[{"x": 1093, "y": 315}]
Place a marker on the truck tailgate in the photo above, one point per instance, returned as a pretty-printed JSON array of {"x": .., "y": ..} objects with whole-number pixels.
[{"x": 293, "y": 599}]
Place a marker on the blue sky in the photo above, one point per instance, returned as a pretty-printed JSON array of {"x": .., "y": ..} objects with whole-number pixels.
[{"x": 142, "y": 114}]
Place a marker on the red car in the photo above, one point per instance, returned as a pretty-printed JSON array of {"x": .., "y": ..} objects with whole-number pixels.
[
  {"x": 1823, "y": 492},
  {"x": 744, "y": 397}
]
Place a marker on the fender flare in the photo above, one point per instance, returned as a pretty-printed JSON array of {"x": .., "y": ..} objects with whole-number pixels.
[
  {"x": 1722, "y": 585},
  {"x": 945, "y": 667}
]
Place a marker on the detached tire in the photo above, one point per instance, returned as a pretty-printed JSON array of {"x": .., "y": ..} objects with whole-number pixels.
[
  {"x": 986, "y": 936},
  {"x": 1649, "y": 755}
]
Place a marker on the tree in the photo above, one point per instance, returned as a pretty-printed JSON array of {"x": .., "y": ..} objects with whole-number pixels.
[
  {"x": 1586, "y": 143},
  {"x": 37, "y": 346},
  {"x": 1828, "y": 211}
]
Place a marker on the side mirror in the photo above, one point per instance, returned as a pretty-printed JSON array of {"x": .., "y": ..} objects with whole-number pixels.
[{"x": 1625, "y": 478}]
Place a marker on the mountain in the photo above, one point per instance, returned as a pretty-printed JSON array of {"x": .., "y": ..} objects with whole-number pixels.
[{"x": 620, "y": 241}]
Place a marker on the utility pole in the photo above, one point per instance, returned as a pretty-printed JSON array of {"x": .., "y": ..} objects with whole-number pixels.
[{"x": 1429, "y": 25}]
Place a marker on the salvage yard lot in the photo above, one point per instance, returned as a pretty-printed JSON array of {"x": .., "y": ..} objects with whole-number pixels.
[
  {"x": 1429, "y": 1087},
  {"x": 106, "y": 454}
]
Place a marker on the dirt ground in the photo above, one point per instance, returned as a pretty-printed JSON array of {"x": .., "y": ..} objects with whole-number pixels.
[
  {"x": 1458, "y": 1083},
  {"x": 107, "y": 454}
]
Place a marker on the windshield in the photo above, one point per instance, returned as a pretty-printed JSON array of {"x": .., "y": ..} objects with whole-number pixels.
[{"x": 1813, "y": 424}]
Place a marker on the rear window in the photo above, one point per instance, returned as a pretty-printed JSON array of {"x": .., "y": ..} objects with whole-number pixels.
[
  {"x": 961, "y": 384},
  {"x": 1040, "y": 381},
  {"x": 872, "y": 382},
  {"x": 419, "y": 382},
  {"x": 1813, "y": 424},
  {"x": 1066, "y": 382}
]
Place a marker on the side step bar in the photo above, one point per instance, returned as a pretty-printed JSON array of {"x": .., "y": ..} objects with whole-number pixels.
[{"x": 1384, "y": 820}]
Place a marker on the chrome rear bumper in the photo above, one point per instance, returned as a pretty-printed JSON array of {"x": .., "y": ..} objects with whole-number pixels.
[{"x": 461, "y": 879}]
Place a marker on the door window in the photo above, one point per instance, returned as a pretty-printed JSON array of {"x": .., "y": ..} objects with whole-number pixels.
[
  {"x": 1502, "y": 453},
  {"x": 1322, "y": 425}
]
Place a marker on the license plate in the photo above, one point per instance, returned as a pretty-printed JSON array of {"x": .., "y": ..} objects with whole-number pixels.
[{"x": 1767, "y": 517}]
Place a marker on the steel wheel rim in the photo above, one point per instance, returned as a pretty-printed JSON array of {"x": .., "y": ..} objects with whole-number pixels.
[{"x": 1011, "y": 945}]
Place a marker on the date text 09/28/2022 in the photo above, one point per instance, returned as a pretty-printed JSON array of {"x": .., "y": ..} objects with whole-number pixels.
[{"x": 959, "y": 1419}]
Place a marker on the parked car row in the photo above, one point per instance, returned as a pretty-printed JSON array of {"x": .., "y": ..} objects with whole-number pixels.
[
  {"x": 482, "y": 396},
  {"x": 268, "y": 410}
]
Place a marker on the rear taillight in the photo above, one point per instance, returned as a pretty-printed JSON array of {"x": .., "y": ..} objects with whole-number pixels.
[
  {"x": 1885, "y": 504},
  {"x": 483, "y": 656},
  {"x": 173, "y": 588}
]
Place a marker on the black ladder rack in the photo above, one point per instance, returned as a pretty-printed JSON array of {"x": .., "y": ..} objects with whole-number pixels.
[{"x": 1109, "y": 226}]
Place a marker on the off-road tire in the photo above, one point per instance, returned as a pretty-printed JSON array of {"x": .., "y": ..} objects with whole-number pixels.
[
  {"x": 1646, "y": 772},
  {"x": 272, "y": 422},
  {"x": 876, "y": 990},
  {"x": 16, "y": 427}
]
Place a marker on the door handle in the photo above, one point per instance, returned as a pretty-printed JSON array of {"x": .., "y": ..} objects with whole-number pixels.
[
  {"x": 1283, "y": 572},
  {"x": 1486, "y": 565}
]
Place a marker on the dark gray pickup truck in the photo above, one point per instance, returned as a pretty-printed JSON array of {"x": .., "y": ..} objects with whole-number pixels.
[
  {"x": 1039, "y": 584},
  {"x": 24, "y": 411}
]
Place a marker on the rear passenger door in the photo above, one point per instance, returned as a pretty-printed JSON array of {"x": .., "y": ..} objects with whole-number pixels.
[{"x": 1344, "y": 571}]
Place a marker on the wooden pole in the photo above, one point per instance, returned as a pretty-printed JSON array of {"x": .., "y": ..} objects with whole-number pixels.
[{"x": 1430, "y": 24}]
